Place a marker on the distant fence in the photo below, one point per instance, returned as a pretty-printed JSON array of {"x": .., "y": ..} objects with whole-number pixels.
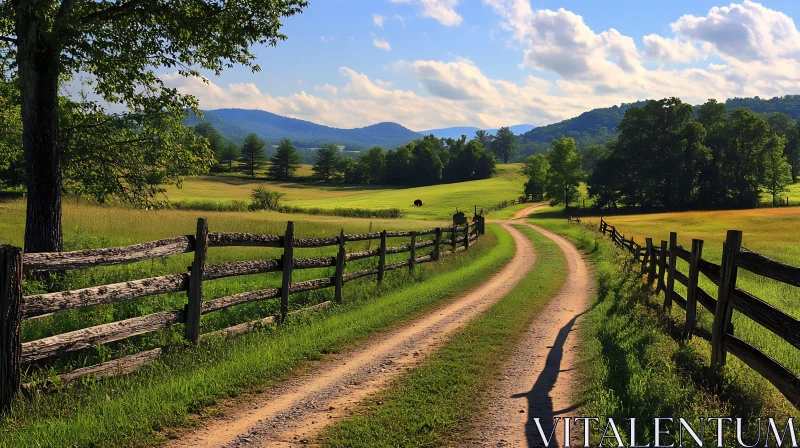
[
  {"x": 14, "y": 307},
  {"x": 524, "y": 199},
  {"x": 659, "y": 263}
]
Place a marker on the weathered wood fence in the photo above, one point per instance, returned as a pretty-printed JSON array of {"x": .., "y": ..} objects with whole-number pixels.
[
  {"x": 658, "y": 262},
  {"x": 14, "y": 308},
  {"x": 524, "y": 199}
]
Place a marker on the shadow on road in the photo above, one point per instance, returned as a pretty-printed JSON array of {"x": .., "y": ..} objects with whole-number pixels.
[{"x": 539, "y": 402}]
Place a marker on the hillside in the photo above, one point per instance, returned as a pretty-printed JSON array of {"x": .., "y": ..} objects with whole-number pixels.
[
  {"x": 469, "y": 131},
  {"x": 597, "y": 126},
  {"x": 236, "y": 123}
]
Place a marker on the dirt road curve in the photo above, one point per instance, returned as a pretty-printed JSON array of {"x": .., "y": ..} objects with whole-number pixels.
[
  {"x": 296, "y": 410},
  {"x": 537, "y": 381}
]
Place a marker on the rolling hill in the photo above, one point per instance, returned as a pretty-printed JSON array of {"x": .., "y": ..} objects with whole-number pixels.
[
  {"x": 598, "y": 126},
  {"x": 235, "y": 124}
]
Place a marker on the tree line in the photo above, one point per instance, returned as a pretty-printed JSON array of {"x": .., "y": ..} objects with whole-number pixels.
[
  {"x": 425, "y": 161},
  {"x": 670, "y": 155}
]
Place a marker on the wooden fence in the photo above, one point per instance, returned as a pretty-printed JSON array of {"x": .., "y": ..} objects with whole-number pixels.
[
  {"x": 659, "y": 264},
  {"x": 15, "y": 308},
  {"x": 524, "y": 199}
]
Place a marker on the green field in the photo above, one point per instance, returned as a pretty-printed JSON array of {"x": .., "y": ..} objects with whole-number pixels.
[
  {"x": 440, "y": 201},
  {"x": 770, "y": 231}
]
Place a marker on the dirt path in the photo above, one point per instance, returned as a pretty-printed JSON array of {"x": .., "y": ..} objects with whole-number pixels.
[
  {"x": 538, "y": 379},
  {"x": 295, "y": 411}
]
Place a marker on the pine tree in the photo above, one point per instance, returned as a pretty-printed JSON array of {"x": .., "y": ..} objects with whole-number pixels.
[
  {"x": 285, "y": 161},
  {"x": 252, "y": 154},
  {"x": 230, "y": 152},
  {"x": 326, "y": 163}
]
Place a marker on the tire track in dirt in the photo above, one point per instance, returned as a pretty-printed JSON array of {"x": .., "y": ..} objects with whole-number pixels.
[
  {"x": 539, "y": 379},
  {"x": 293, "y": 412}
]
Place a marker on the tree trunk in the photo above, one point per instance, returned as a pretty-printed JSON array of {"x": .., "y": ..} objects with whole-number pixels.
[{"x": 38, "y": 66}]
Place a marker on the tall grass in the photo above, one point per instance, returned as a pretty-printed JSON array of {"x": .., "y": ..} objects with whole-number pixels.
[
  {"x": 772, "y": 232},
  {"x": 134, "y": 409},
  {"x": 634, "y": 366}
]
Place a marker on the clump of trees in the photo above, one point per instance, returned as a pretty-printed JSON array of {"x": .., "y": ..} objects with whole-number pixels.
[
  {"x": 265, "y": 199},
  {"x": 673, "y": 156},
  {"x": 427, "y": 161}
]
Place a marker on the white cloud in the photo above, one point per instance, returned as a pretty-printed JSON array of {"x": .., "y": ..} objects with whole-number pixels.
[
  {"x": 377, "y": 20},
  {"x": 382, "y": 44},
  {"x": 443, "y": 11},
  {"x": 666, "y": 50},
  {"x": 593, "y": 68},
  {"x": 747, "y": 32},
  {"x": 400, "y": 19}
]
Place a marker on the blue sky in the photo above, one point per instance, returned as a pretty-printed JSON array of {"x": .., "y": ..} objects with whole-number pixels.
[{"x": 489, "y": 63}]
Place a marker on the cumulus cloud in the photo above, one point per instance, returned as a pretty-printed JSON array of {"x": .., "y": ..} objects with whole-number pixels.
[
  {"x": 377, "y": 20},
  {"x": 667, "y": 50},
  {"x": 747, "y": 32},
  {"x": 592, "y": 68},
  {"x": 443, "y": 11}
]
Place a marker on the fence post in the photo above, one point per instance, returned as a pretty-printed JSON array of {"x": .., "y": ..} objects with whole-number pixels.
[
  {"x": 412, "y": 258},
  {"x": 453, "y": 236},
  {"x": 602, "y": 228},
  {"x": 10, "y": 318},
  {"x": 338, "y": 278},
  {"x": 287, "y": 260},
  {"x": 662, "y": 267},
  {"x": 691, "y": 288},
  {"x": 722, "y": 316},
  {"x": 437, "y": 251},
  {"x": 466, "y": 236},
  {"x": 195, "y": 305},
  {"x": 673, "y": 253},
  {"x": 382, "y": 257},
  {"x": 651, "y": 258}
]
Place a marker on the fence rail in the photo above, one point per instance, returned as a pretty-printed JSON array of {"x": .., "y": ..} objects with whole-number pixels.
[
  {"x": 658, "y": 262},
  {"x": 14, "y": 307}
]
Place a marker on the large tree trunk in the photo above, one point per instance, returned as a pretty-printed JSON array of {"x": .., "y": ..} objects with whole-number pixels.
[{"x": 38, "y": 65}]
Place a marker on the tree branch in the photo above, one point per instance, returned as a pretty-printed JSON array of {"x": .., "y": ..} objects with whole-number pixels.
[
  {"x": 62, "y": 17},
  {"x": 8, "y": 39},
  {"x": 116, "y": 11}
]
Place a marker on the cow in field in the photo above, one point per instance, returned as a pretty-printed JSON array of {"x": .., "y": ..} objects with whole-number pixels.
[{"x": 418, "y": 203}]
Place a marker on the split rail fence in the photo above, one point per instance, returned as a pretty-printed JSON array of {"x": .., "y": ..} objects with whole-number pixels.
[
  {"x": 15, "y": 308},
  {"x": 659, "y": 264}
]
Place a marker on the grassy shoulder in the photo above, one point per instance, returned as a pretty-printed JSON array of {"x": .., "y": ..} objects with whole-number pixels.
[
  {"x": 633, "y": 367},
  {"x": 430, "y": 405},
  {"x": 139, "y": 408}
]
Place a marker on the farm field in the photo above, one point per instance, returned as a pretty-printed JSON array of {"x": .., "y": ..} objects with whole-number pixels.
[
  {"x": 440, "y": 201},
  {"x": 770, "y": 231}
]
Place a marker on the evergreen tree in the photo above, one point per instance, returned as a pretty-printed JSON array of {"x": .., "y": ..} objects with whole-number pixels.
[
  {"x": 285, "y": 161},
  {"x": 326, "y": 163},
  {"x": 504, "y": 144},
  {"x": 252, "y": 154},
  {"x": 230, "y": 152}
]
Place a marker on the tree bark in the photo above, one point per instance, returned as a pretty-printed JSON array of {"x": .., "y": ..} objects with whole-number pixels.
[{"x": 38, "y": 68}]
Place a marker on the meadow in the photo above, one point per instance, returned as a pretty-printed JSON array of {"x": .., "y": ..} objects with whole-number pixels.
[
  {"x": 770, "y": 231},
  {"x": 440, "y": 201}
]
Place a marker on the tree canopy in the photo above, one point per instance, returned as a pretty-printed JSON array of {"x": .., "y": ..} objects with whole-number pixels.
[{"x": 119, "y": 45}]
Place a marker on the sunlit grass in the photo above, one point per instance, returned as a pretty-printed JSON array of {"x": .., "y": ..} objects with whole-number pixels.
[{"x": 770, "y": 231}]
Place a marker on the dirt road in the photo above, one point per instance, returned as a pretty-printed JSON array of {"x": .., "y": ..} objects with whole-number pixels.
[
  {"x": 295, "y": 411},
  {"x": 538, "y": 379}
]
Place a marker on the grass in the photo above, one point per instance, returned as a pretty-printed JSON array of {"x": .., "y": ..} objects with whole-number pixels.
[
  {"x": 440, "y": 201},
  {"x": 430, "y": 405},
  {"x": 137, "y": 409},
  {"x": 92, "y": 226},
  {"x": 772, "y": 232},
  {"x": 633, "y": 366}
]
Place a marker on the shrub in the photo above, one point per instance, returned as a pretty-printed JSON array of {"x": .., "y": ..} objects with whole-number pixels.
[
  {"x": 210, "y": 206},
  {"x": 265, "y": 199}
]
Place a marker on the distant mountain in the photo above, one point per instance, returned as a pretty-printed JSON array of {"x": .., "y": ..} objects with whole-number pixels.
[
  {"x": 237, "y": 123},
  {"x": 598, "y": 126},
  {"x": 469, "y": 131}
]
